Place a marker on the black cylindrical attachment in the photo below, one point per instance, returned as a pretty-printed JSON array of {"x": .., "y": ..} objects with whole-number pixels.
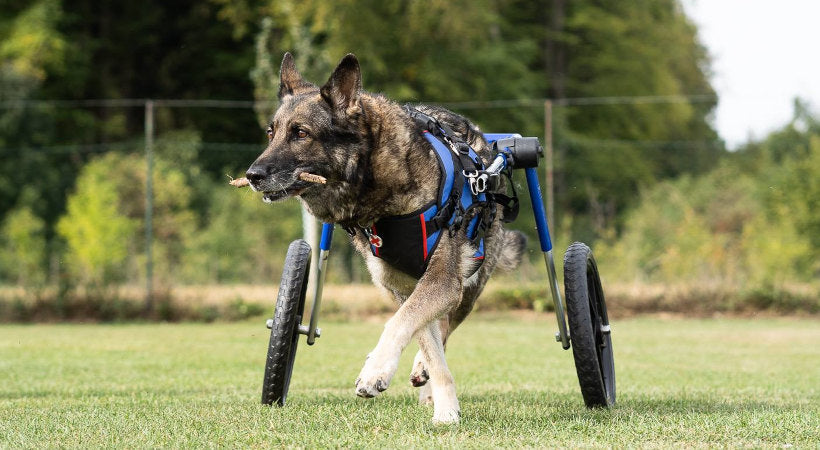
[{"x": 524, "y": 151}]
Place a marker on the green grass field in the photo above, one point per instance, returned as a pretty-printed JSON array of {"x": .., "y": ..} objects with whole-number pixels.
[{"x": 692, "y": 383}]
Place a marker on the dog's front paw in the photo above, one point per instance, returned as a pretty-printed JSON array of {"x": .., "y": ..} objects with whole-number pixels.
[
  {"x": 446, "y": 416},
  {"x": 419, "y": 375},
  {"x": 375, "y": 378},
  {"x": 372, "y": 388},
  {"x": 445, "y": 406}
]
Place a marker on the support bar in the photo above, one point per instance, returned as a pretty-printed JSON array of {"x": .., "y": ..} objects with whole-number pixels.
[
  {"x": 324, "y": 253},
  {"x": 538, "y": 209},
  {"x": 546, "y": 246}
]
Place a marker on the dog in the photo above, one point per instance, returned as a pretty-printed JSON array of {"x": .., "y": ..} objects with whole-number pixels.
[{"x": 378, "y": 164}]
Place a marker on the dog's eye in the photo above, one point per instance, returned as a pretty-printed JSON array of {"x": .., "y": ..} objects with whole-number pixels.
[
  {"x": 301, "y": 134},
  {"x": 269, "y": 132}
]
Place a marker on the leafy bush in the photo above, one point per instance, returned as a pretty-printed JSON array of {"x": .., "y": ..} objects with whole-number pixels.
[
  {"x": 23, "y": 241},
  {"x": 521, "y": 296},
  {"x": 104, "y": 225},
  {"x": 753, "y": 222},
  {"x": 243, "y": 238},
  {"x": 96, "y": 231}
]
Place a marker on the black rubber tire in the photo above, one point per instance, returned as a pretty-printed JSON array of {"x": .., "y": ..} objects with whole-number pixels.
[
  {"x": 284, "y": 334},
  {"x": 586, "y": 312}
]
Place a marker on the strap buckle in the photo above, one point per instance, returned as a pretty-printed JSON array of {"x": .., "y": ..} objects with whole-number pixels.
[{"x": 478, "y": 179}]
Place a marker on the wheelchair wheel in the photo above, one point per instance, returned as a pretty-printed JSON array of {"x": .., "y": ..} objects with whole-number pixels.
[
  {"x": 284, "y": 334},
  {"x": 589, "y": 327}
]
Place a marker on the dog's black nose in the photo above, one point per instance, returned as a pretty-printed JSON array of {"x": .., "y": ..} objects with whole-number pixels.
[{"x": 256, "y": 173}]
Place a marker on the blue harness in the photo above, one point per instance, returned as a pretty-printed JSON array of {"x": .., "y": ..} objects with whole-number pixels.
[{"x": 408, "y": 241}]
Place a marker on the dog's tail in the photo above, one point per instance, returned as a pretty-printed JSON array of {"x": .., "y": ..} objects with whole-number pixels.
[{"x": 512, "y": 250}]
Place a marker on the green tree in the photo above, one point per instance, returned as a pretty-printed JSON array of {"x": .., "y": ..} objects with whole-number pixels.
[
  {"x": 791, "y": 192},
  {"x": 643, "y": 48},
  {"x": 104, "y": 225},
  {"x": 31, "y": 45},
  {"x": 753, "y": 221},
  {"x": 774, "y": 251},
  {"x": 32, "y": 53},
  {"x": 82, "y": 49},
  {"x": 23, "y": 259},
  {"x": 174, "y": 223},
  {"x": 96, "y": 232},
  {"x": 441, "y": 51}
]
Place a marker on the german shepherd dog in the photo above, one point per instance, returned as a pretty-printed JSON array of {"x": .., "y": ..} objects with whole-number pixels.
[{"x": 377, "y": 164}]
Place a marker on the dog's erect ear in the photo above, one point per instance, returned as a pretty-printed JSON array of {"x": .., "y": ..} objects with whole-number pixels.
[
  {"x": 290, "y": 81},
  {"x": 344, "y": 84}
]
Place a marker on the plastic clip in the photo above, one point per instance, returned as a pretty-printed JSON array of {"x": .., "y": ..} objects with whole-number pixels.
[{"x": 478, "y": 180}]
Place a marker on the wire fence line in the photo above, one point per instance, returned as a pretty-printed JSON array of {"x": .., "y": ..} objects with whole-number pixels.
[
  {"x": 583, "y": 101},
  {"x": 135, "y": 145},
  {"x": 255, "y": 104},
  {"x": 476, "y": 104},
  {"x": 137, "y": 102}
]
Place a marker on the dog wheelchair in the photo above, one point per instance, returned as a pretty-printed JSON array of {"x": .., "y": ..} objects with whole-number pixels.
[{"x": 583, "y": 325}]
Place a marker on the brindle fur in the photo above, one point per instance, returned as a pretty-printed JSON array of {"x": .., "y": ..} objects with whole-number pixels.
[{"x": 378, "y": 164}]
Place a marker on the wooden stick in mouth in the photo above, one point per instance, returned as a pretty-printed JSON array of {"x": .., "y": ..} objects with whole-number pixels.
[
  {"x": 312, "y": 178},
  {"x": 239, "y": 182},
  {"x": 304, "y": 176}
]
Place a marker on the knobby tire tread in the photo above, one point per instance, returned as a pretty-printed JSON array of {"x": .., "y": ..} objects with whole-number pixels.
[
  {"x": 582, "y": 334},
  {"x": 290, "y": 305}
]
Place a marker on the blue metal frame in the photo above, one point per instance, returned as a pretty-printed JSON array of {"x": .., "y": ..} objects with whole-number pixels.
[
  {"x": 542, "y": 227},
  {"x": 327, "y": 236},
  {"x": 538, "y": 209}
]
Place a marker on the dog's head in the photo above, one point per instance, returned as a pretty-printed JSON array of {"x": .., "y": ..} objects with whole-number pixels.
[{"x": 315, "y": 130}]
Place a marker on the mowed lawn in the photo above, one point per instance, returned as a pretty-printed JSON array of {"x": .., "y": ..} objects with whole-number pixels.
[{"x": 728, "y": 382}]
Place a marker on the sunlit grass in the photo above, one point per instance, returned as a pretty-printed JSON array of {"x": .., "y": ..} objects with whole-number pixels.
[{"x": 735, "y": 382}]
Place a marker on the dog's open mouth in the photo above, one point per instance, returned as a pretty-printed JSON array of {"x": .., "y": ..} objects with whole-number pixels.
[
  {"x": 291, "y": 191},
  {"x": 271, "y": 195}
]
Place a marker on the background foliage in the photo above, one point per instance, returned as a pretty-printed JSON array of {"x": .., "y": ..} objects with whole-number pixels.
[
  {"x": 649, "y": 180},
  {"x": 751, "y": 221}
]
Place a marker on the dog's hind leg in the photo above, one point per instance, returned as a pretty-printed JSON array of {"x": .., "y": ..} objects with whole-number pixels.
[{"x": 425, "y": 393}]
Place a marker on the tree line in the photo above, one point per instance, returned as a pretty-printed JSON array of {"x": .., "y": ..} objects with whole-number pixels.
[{"x": 54, "y": 198}]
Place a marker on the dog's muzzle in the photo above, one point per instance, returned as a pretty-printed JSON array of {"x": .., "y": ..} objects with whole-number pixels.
[{"x": 274, "y": 186}]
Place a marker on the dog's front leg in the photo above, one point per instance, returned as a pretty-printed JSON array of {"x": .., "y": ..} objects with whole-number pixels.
[
  {"x": 443, "y": 388},
  {"x": 419, "y": 374},
  {"x": 437, "y": 292}
]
